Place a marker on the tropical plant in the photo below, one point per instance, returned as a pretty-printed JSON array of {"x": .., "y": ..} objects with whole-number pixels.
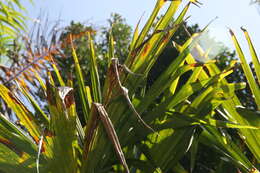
[
  {"x": 252, "y": 75},
  {"x": 20, "y": 59},
  {"x": 131, "y": 128},
  {"x": 253, "y": 80},
  {"x": 11, "y": 22},
  {"x": 28, "y": 62}
]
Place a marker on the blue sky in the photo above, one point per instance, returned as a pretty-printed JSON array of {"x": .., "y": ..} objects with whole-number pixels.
[{"x": 231, "y": 13}]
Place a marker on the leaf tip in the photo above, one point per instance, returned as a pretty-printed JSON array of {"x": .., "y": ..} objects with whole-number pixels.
[
  {"x": 231, "y": 32},
  {"x": 243, "y": 29}
]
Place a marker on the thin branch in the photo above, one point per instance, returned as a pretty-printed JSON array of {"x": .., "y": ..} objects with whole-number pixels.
[
  {"x": 124, "y": 91},
  {"x": 111, "y": 133},
  {"x": 23, "y": 70}
]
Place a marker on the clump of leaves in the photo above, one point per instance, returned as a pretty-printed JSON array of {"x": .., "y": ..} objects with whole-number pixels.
[
  {"x": 12, "y": 21},
  {"x": 127, "y": 127}
]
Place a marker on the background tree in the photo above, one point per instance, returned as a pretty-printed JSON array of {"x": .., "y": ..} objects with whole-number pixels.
[{"x": 121, "y": 32}]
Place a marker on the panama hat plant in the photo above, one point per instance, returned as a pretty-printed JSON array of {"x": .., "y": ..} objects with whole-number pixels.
[{"x": 126, "y": 127}]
